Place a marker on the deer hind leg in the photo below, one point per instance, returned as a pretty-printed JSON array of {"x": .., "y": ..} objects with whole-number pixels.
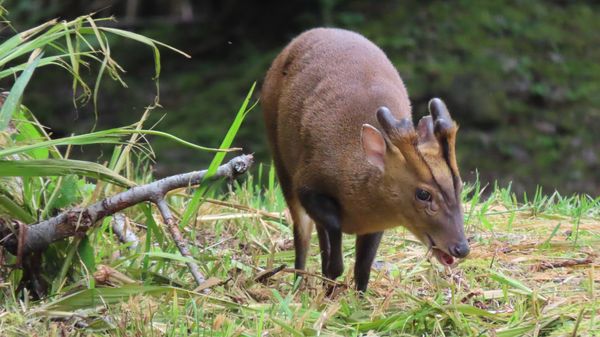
[
  {"x": 302, "y": 224},
  {"x": 303, "y": 227}
]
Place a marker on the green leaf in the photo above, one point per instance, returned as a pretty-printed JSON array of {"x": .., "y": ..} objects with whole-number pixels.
[
  {"x": 157, "y": 233},
  {"x": 501, "y": 278},
  {"x": 186, "y": 143},
  {"x": 59, "y": 280},
  {"x": 511, "y": 282},
  {"x": 14, "y": 97},
  {"x": 230, "y": 136},
  {"x": 27, "y": 132},
  {"x": 67, "y": 195},
  {"x": 287, "y": 327},
  {"x": 175, "y": 257},
  {"x": 109, "y": 136},
  {"x": 472, "y": 311},
  {"x": 49, "y": 60},
  {"x": 9, "y": 46},
  {"x": 515, "y": 332},
  {"x": 554, "y": 231},
  {"x": 90, "y": 298},
  {"x": 60, "y": 167},
  {"x": 15, "y": 210},
  {"x": 191, "y": 208},
  {"x": 87, "y": 254}
]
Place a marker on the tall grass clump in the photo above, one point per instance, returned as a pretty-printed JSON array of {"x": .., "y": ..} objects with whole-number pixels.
[{"x": 38, "y": 178}]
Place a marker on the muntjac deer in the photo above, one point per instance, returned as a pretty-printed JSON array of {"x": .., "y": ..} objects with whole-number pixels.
[{"x": 339, "y": 123}]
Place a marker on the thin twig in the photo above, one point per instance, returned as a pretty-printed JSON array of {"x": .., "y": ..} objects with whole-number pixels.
[
  {"x": 561, "y": 264},
  {"x": 266, "y": 274},
  {"x": 163, "y": 207}
]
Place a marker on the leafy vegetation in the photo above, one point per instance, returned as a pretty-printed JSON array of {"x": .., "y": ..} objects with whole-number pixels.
[
  {"x": 532, "y": 270},
  {"x": 38, "y": 178}
]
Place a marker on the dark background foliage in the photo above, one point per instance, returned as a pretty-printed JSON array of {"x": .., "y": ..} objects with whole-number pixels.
[{"x": 522, "y": 78}]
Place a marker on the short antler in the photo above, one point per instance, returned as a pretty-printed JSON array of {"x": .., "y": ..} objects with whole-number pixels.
[
  {"x": 445, "y": 131},
  {"x": 425, "y": 131},
  {"x": 401, "y": 131},
  {"x": 443, "y": 123},
  {"x": 402, "y": 134}
]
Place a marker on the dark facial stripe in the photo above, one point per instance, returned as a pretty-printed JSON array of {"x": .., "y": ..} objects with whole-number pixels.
[
  {"x": 439, "y": 186},
  {"x": 455, "y": 176}
]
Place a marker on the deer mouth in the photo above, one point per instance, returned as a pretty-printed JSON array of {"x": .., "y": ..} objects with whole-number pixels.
[{"x": 443, "y": 257}]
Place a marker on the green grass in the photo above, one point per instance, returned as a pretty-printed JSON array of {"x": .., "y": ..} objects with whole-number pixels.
[{"x": 499, "y": 289}]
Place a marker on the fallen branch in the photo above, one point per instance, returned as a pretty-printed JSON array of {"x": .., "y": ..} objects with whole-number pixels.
[
  {"x": 315, "y": 275},
  {"x": 545, "y": 265},
  {"x": 211, "y": 282},
  {"x": 73, "y": 222},
  {"x": 264, "y": 275}
]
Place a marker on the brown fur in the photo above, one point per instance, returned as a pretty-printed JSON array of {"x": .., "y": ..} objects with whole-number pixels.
[{"x": 319, "y": 92}]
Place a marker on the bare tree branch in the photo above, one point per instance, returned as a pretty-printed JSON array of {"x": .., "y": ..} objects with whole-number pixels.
[
  {"x": 77, "y": 221},
  {"x": 179, "y": 239},
  {"x": 122, "y": 228}
]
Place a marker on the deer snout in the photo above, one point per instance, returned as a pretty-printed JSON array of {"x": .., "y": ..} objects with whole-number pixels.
[{"x": 460, "y": 249}]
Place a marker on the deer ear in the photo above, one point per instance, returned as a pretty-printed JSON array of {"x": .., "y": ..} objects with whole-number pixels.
[{"x": 374, "y": 145}]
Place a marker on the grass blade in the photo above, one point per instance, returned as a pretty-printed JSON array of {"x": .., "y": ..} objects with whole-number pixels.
[
  {"x": 90, "y": 298},
  {"x": 110, "y": 136},
  {"x": 171, "y": 256},
  {"x": 14, "y": 97},
  {"x": 15, "y": 210},
  {"x": 61, "y": 167},
  {"x": 218, "y": 159}
]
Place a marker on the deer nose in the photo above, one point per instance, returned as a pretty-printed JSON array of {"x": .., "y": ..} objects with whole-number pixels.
[{"x": 460, "y": 250}]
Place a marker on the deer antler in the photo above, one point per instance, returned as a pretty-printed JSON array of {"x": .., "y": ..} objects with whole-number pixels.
[
  {"x": 445, "y": 131},
  {"x": 401, "y": 134}
]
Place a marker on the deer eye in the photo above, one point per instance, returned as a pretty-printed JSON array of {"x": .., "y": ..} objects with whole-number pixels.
[{"x": 423, "y": 195}]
